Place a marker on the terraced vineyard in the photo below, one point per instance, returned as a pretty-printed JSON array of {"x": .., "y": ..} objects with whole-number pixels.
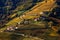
[{"x": 30, "y": 21}]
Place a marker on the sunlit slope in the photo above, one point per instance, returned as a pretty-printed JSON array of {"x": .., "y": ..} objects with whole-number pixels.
[{"x": 42, "y": 6}]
